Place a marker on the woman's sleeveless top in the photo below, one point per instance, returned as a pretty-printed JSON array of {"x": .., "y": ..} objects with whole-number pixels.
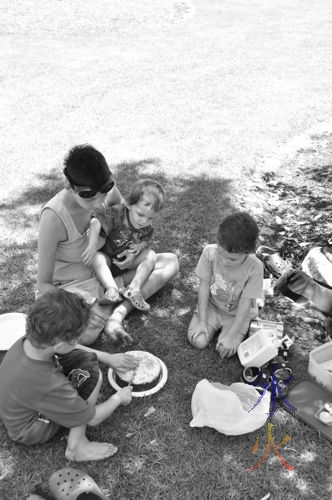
[{"x": 68, "y": 265}]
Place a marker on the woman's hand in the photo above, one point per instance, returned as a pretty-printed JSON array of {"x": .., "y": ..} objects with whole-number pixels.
[{"x": 121, "y": 362}]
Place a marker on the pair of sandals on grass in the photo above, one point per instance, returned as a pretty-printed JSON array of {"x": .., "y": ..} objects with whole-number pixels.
[{"x": 70, "y": 484}]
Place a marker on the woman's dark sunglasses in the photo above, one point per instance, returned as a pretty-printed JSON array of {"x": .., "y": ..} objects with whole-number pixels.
[{"x": 87, "y": 192}]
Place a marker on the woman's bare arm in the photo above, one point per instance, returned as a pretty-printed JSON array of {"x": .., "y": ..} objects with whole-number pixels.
[{"x": 51, "y": 232}]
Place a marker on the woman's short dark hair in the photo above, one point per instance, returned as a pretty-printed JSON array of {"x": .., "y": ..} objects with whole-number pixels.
[
  {"x": 56, "y": 316},
  {"x": 86, "y": 166},
  {"x": 238, "y": 233}
]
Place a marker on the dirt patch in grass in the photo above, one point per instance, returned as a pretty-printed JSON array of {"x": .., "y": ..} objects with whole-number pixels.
[{"x": 293, "y": 206}]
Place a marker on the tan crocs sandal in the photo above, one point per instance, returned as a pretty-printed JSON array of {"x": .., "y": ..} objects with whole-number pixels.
[
  {"x": 136, "y": 299},
  {"x": 72, "y": 484}
]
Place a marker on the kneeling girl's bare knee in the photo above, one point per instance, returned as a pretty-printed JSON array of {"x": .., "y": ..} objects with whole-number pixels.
[{"x": 199, "y": 341}]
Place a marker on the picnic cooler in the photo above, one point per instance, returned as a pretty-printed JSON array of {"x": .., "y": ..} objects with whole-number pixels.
[{"x": 320, "y": 365}]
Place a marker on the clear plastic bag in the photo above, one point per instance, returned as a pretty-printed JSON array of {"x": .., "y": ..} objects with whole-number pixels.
[{"x": 231, "y": 410}]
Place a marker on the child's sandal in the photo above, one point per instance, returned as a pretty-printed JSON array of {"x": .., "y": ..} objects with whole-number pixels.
[
  {"x": 136, "y": 299},
  {"x": 273, "y": 261},
  {"x": 70, "y": 484}
]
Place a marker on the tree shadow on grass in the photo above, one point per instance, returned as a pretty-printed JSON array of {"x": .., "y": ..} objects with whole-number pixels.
[
  {"x": 19, "y": 242},
  {"x": 47, "y": 186},
  {"x": 194, "y": 207}
]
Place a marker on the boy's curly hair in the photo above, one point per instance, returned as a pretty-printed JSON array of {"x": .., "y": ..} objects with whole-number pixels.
[
  {"x": 238, "y": 233},
  {"x": 150, "y": 187},
  {"x": 56, "y": 316}
]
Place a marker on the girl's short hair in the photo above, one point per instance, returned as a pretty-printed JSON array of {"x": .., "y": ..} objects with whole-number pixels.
[
  {"x": 150, "y": 187},
  {"x": 238, "y": 233},
  {"x": 86, "y": 166},
  {"x": 56, "y": 316}
]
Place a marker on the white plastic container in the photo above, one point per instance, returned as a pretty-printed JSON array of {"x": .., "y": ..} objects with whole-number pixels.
[
  {"x": 259, "y": 348},
  {"x": 320, "y": 365}
]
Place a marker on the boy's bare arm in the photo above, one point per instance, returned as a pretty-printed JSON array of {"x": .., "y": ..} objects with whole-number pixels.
[
  {"x": 120, "y": 361},
  {"x": 91, "y": 250},
  {"x": 105, "y": 409},
  {"x": 94, "y": 231},
  {"x": 203, "y": 300},
  {"x": 202, "y": 306},
  {"x": 227, "y": 346},
  {"x": 241, "y": 315}
]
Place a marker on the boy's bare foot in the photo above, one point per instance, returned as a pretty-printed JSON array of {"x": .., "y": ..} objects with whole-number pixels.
[{"x": 90, "y": 450}]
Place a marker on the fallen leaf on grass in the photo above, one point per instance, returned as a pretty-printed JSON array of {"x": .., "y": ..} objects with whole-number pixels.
[
  {"x": 150, "y": 411},
  {"x": 266, "y": 497},
  {"x": 130, "y": 434}
]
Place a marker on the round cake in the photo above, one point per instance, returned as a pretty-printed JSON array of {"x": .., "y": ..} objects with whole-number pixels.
[{"x": 146, "y": 376}]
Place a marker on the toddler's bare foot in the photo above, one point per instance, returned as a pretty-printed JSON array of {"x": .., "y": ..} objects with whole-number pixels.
[{"x": 90, "y": 450}]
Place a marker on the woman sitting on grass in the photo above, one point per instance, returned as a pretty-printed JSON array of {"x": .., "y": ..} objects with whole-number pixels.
[{"x": 64, "y": 222}]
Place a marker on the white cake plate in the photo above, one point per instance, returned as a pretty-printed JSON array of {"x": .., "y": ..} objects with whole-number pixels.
[
  {"x": 142, "y": 394},
  {"x": 12, "y": 327}
]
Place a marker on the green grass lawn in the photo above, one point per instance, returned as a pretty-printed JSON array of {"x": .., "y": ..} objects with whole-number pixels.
[{"x": 196, "y": 99}]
